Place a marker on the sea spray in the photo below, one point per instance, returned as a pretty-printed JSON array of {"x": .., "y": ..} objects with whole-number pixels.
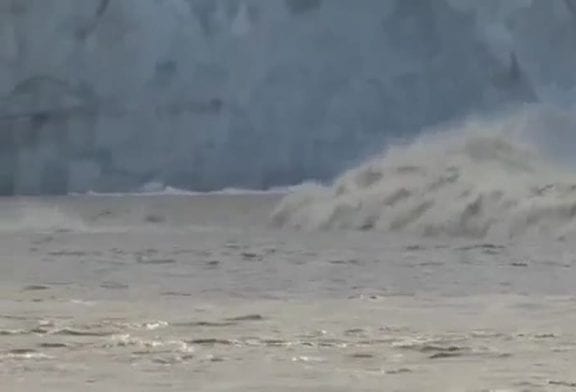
[{"x": 482, "y": 179}]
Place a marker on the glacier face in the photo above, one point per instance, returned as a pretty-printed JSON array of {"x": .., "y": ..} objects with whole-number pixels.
[{"x": 109, "y": 95}]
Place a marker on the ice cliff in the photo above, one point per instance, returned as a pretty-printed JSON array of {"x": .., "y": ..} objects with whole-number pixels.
[{"x": 109, "y": 95}]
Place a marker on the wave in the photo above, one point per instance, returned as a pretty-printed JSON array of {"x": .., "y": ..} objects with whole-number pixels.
[
  {"x": 161, "y": 190},
  {"x": 499, "y": 178}
]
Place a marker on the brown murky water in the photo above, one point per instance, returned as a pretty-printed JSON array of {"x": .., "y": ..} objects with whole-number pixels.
[{"x": 200, "y": 294}]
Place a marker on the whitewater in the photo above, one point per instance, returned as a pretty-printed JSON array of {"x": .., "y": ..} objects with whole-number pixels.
[{"x": 480, "y": 179}]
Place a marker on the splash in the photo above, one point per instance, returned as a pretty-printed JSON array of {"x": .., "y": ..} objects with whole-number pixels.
[
  {"x": 38, "y": 216},
  {"x": 481, "y": 179}
]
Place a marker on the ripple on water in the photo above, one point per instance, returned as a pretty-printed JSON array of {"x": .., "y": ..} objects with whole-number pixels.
[
  {"x": 148, "y": 346},
  {"x": 23, "y": 355}
]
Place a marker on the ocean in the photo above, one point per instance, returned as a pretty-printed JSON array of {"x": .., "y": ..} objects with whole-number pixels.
[{"x": 443, "y": 265}]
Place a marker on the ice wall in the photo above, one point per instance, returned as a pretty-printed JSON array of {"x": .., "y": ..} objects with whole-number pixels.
[{"x": 108, "y": 95}]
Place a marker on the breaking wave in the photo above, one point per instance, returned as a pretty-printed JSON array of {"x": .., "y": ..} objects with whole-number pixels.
[
  {"x": 499, "y": 178},
  {"x": 157, "y": 189}
]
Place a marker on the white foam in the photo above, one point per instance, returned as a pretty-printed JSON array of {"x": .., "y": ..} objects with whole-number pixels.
[{"x": 171, "y": 191}]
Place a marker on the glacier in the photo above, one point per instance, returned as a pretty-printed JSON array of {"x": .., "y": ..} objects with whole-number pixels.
[{"x": 111, "y": 95}]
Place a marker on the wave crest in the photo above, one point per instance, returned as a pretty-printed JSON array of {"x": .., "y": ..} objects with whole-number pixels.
[{"x": 483, "y": 179}]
